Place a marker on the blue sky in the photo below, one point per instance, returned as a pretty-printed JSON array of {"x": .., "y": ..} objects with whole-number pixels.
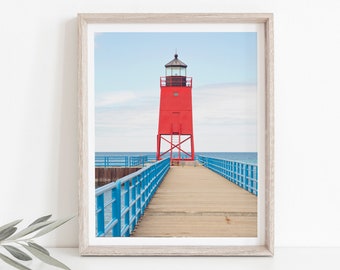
[{"x": 127, "y": 70}]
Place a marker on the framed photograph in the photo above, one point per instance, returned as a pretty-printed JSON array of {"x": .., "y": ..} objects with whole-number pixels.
[{"x": 176, "y": 134}]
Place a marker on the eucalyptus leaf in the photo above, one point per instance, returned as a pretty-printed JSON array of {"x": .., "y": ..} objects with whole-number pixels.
[
  {"x": 13, "y": 262},
  {"x": 4, "y": 234},
  {"x": 17, "y": 253},
  {"x": 11, "y": 224},
  {"x": 46, "y": 258},
  {"x": 42, "y": 219},
  {"x": 38, "y": 247},
  {"x": 30, "y": 229},
  {"x": 9, "y": 235},
  {"x": 52, "y": 226}
]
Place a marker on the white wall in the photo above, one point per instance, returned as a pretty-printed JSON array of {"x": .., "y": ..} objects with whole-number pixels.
[{"x": 38, "y": 110}]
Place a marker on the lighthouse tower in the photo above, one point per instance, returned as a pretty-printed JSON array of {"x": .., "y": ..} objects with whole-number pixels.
[{"x": 175, "y": 127}]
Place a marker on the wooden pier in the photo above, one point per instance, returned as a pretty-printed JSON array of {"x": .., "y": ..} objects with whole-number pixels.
[{"x": 193, "y": 201}]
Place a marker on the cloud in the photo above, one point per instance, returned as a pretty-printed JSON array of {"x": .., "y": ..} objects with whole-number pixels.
[
  {"x": 221, "y": 104},
  {"x": 127, "y": 125},
  {"x": 114, "y": 98},
  {"x": 225, "y": 119},
  {"x": 128, "y": 111}
]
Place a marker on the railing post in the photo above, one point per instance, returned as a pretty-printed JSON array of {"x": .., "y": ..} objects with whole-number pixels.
[
  {"x": 243, "y": 174},
  {"x": 145, "y": 190},
  {"x": 138, "y": 198},
  {"x": 116, "y": 209},
  {"x": 247, "y": 180},
  {"x": 126, "y": 206},
  {"x": 148, "y": 184},
  {"x": 229, "y": 170},
  {"x": 100, "y": 215},
  {"x": 256, "y": 179},
  {"x": 240, "y": 175},
  {"x": 252, "y": 179},
  {"x": 133, "y": 202},
  {"x": 156, "y": 177}
]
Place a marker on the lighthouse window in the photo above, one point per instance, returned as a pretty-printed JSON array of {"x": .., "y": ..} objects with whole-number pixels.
[
  {"x": 176, "y": 71},
  {"x": 176, "y": 94}
]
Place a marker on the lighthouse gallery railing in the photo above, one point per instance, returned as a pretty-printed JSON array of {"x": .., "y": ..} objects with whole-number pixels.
[
  {"x": 119, "y": 205},
  {"x": 242, "y": 174}
]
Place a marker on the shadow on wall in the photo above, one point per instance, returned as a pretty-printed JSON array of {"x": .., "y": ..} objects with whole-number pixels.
[{"x": 68, "y": 133}]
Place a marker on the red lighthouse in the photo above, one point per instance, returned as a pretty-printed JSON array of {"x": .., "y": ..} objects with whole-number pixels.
[{"x": 175, "y": 128}]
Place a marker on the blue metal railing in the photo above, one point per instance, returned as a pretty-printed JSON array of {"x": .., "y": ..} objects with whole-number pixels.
[
  {"x": 242, "y": 174},
  {"x": 120, "y": 161},
  {"x": 119, "y": 205}
]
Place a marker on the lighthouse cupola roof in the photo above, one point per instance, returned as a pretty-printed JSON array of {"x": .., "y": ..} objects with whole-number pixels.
[{"x": 176, "y": 63}]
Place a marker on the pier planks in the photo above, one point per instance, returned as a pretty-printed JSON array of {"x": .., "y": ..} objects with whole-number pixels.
[{"x": 196, "y": 202}]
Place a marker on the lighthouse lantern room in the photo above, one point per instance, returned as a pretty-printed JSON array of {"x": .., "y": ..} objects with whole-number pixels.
[{"x": 175, "y": 136}]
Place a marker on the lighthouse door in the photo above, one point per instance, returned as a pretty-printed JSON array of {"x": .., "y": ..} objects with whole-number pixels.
[{"x": 175, "y": 123}]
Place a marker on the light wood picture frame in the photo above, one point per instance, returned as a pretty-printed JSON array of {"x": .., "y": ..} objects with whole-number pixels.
[{"x": 163, "y": 247}]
